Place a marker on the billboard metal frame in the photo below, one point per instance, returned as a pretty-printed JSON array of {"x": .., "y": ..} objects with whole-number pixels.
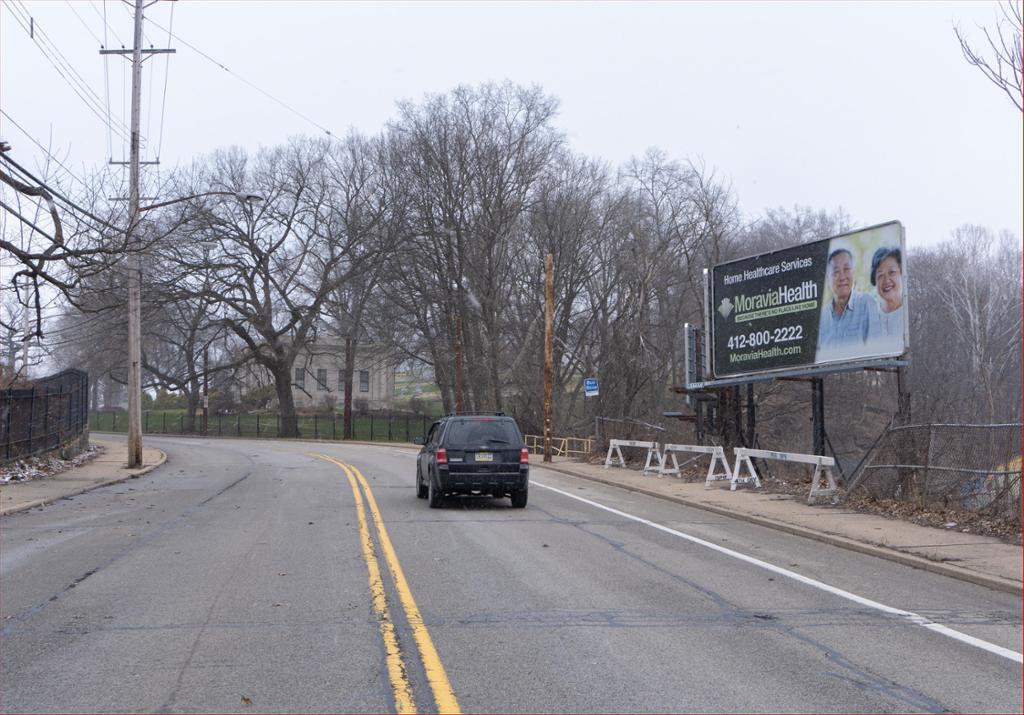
[{"x": 886, "y": 364}]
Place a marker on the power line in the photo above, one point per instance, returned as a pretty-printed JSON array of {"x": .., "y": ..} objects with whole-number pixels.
[
  {"x": 28, "y": 223},
  {"x": 63, "y": 61},
  {"x": 57, "y": 60},
  {"x": 106, "y": 25},
  {"x": 163, "y": 105},
  {"x": 88, "y": 29},
  {"x": 291, "y": 109},
  {"x": 149, "y": 106},
  {"x": 106, "y": 86},
  {"x": 45, "y": 150},
  {"x": 71, "y": 205},
  {"x": 125, "y": 140},
  {"x": 106, "y": 81}
]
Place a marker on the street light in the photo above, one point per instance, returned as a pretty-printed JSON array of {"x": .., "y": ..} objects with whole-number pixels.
[{"x": 135, "y": 320}]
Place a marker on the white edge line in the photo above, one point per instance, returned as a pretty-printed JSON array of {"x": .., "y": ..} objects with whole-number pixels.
[{"x": 914, "y": 618}]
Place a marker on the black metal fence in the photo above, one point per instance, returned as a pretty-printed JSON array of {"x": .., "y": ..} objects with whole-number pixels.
[
  {"x": 373, "y": 426},
  {"x": 45, "y": 416},
  {"x": 966, "y": 467}
]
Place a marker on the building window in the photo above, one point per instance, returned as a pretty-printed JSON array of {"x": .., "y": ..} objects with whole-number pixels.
[
  {"x": 364, "y": 380},
  {"x": 341, "y": 381},
  {"x": 321, "y": 379},
  {"x": 300, "y": 377}
]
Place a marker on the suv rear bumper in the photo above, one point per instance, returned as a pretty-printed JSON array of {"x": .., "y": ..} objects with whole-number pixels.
[{"x": 483, "y": 482}]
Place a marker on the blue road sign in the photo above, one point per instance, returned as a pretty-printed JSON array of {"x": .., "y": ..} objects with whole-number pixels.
[{"x": 590, "y": 387}]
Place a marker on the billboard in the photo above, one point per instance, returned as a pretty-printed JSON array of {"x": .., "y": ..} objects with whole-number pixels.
[{"x": 836, "y": 300}]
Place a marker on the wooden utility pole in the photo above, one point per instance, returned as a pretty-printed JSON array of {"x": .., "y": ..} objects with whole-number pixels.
[
  {"x": 549, "y": 359},
  {"x": 134, "y": 264},
  {"x": 134, "y": 243},
  {"x": 458, "y": 362}
]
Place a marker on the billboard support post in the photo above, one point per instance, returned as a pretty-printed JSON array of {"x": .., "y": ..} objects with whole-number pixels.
[
  {"x": 699, "y": 409},
  {"x": 902, "y": 396},
  {"x": 750, "y": 414},
  {"x": 818, "y": 414}
]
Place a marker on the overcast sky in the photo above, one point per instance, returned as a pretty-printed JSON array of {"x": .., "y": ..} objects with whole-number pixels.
[{"x": 869, "y": 106}]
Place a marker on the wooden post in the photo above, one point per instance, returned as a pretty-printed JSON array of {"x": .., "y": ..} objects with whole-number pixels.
[
  {"x": 549, "y": 360},
  {"x": 458, "y": 363}
]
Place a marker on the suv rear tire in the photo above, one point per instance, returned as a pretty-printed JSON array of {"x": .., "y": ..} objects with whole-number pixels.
[
  {"x": 422, "y": 490},
  {"x": 519, "y": 498},
  {"x": 434, "y": 496}
]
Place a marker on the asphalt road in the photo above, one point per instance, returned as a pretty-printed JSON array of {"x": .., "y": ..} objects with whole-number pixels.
[{"x": 236, "y": 578}]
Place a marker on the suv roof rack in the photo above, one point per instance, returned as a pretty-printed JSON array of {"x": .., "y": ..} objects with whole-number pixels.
[{"x": 472, "y": 414}]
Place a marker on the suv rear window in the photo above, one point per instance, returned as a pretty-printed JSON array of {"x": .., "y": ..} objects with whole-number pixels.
[{"x": 482, "y": 432}]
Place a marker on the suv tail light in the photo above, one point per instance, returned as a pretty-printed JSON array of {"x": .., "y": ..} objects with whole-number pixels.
[
  {"x": 524, "y": 456},
  {"x": 442, "y": 455}
]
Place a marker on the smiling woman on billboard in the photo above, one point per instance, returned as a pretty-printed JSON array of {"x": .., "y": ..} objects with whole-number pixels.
[{"x": 885, "y": 322}]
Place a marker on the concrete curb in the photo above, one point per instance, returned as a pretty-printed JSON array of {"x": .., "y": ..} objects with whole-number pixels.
[
  {"x": 128, "y": 474},
  {"x": 994, "y": 582}
]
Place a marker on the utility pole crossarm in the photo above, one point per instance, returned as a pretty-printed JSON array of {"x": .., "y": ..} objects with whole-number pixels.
[{"x": 150, "y": 51}]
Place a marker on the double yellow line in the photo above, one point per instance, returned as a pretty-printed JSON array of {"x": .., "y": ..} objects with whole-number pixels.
[{"x": 444, "y": 696}]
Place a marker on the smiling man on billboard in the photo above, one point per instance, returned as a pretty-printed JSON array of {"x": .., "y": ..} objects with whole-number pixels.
[{"x": 844, "y": 319}]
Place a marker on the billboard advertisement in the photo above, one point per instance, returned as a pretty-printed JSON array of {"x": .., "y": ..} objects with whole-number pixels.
[{"x": 836, "y": 300}]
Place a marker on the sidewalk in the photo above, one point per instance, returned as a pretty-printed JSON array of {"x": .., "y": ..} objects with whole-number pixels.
[
  {"x": 969, "y": 557},
  {"x": 109, "y": 467}
]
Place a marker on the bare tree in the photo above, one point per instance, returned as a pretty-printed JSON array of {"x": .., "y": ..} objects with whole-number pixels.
[
  {"x": 273, "y": 265},
  {"x": 1000, "y": 62},
  {"x": 78, "y": 239},
  {"x": 467, "y": 162},
  {"x": 358, "y": 171},
  {"x": 566, "y": 218},
  {"x": 982, "y": 301}
]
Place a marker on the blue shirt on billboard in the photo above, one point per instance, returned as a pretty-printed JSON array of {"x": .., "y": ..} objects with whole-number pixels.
[{"x": 849, "y": 327}]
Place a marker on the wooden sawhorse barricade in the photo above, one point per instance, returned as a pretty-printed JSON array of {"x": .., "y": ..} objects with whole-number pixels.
[
  {"x": 615, "y": 459},
  {"x": 717, "y": 456},
  {"x": 822, "y": 465}
]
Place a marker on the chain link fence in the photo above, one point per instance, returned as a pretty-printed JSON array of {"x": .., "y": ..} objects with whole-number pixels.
[
  {"x": 967, "y": 467},
  {"x": 46, "y": 416}
]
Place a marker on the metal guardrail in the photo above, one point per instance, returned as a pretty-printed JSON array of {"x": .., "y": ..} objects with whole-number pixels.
[{"x": 579, "y": 447}]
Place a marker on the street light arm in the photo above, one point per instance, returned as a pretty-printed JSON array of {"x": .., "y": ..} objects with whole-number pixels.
[{"x": 237, "y": 194}]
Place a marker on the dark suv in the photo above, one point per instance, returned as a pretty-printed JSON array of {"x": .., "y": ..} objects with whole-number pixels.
[{"x": 477, "y": 454}]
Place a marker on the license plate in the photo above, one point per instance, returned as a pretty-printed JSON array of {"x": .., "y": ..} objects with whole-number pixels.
[{"x": 484, "y": 457}]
